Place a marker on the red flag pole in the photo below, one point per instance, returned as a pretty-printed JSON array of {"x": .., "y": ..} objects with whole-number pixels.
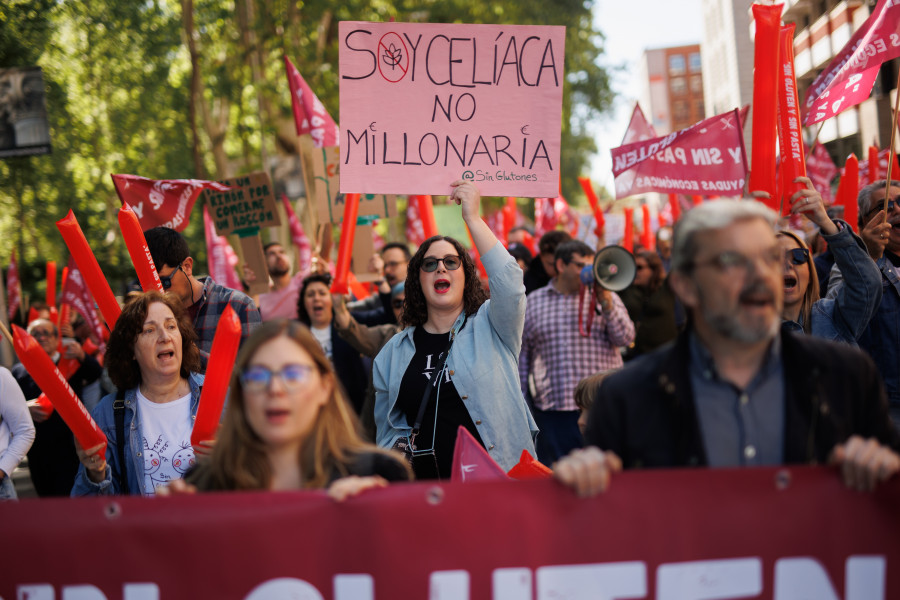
[{"x": 887, "y": 185}]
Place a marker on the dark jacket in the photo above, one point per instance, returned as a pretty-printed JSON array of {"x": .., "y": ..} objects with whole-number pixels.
[
  {"x": 646, "y": 413},
  {"x": 349, "y": 368},
  {"x": 653, "y": 315}
]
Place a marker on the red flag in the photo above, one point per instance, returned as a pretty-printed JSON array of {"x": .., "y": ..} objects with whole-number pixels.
[
  {"x": 220, "y": 257},
  {"x": 849, "y": 77},
  {"x": 742, "y": 114},
  {"x": 76, "y": 294},
  {"x": 298, "y": 236},
  {"x": 494, "y": 221},
  {"x": 165, "y": 202},
  {"x": 471, "y": 462},
  {"x": 310, "y": 115},
  {"x": 706, "y": 158},
  {"x": 821, "y": 171},
  {"x": 639, "y": 129},
  {"x": 13, "y": 287},
  {"x": 415, "y": 229}
]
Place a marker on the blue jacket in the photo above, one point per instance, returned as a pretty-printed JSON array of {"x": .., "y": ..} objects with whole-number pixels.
[
  {"x": 483, "y": 363},
  {"x": 844, "y": 316},
  {"x": 103, "y": 415}
]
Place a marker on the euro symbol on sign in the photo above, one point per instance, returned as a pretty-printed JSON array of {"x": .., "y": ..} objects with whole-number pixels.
[
  {"x": 372, "y": 125},
  {"x": 524, "y": 130}
]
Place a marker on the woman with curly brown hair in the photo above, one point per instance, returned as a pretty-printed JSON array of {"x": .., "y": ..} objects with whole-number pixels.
[
  {"x": 456, "y": 363},
  {"x": 153, "y": 360}
]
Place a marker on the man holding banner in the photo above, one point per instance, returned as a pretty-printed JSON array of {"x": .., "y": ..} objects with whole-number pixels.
[
  {"x": 734, "y": 391},
  {"x": 204, "y": 299}
]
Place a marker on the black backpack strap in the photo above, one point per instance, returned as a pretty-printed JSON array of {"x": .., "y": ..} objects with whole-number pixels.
[{"x": 119, "y": 415}]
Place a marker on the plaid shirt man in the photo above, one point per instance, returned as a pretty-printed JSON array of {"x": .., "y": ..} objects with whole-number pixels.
[
  {"x": 555, "y": 357},
  {"x": 207, "y": 311}
]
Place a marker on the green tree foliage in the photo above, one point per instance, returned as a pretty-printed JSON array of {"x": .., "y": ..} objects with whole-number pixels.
[{"x": 119, "y": 95}]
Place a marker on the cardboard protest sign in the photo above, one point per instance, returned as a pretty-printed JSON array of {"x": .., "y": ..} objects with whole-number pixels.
[
  {"x": 250, "y": 203},
  {"x": 707, "y": 159},
  {"x": 363, "y": 250},
  {"x": 326, "y": 169},
  {"x": 425, "y": 104}
]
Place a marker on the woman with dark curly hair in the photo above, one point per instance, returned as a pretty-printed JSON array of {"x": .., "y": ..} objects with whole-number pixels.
[
  {"x": 315, "y": 309},
  {"x": 153, "y": 360},
  {"x": 650, "y": 304},
  {"x": 458, "y": 356}
]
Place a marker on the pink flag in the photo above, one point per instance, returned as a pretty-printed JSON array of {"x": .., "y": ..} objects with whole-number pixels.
[
  {"x": 494, "y": 222},
  {"x": 298, "y": 236},
  {"x": 471, "y": 462},
  {"x": 76, "y": 294},
  {"x": 165, "y": 202},
  {"x": 866, "y": 179},
  {"x": 707, "y": 158},
  {"x": 639, "y": 129},
  {"x": 821, "y": 171},
  {"x": 849, "y": 77},
  {"x": 310, "y": 115},
  {"x": 415, "y": 228},
  {"x": 221, "y": 258},
  {"x": 13, "y": 287}
]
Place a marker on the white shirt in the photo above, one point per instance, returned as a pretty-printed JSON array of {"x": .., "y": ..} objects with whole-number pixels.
[{"x": 166, "y": 440}]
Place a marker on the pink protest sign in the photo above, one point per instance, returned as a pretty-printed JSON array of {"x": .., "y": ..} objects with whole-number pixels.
[{"x": 424, "y": 104}]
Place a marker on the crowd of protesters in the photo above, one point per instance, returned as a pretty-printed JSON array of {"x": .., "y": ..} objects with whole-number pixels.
[{"x": 722, "y": 352}]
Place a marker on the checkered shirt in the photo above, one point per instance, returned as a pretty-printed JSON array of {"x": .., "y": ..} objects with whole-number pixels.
[{"x": 213, "y": 301}]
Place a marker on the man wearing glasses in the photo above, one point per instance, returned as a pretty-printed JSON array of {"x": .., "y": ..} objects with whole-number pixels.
[
  {"x": 882, "y": 239},
  {"x": 556, "y": 355},
  {"x": 733, "y": 390},
  {"x": 391, "y": 263},
  {"x": 204, "y": 299},
  {"x": 52, "y": 460}
]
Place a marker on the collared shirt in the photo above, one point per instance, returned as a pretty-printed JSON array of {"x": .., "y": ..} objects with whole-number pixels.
[
  {"x": 555, "y": 356},
  {"x": 207, "y": 311},
  {"x": 740, "y": 427}
]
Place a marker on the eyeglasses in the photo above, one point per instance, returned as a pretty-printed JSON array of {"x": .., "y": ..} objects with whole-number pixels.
[
  {"x": 257, "y": 378},
  {"x": 796, "y": 256},
  {"x": 732, "y": 262},
  {"x": 42, "y": 333},
  {"x": 394, "y": 263},
  {"x": 166, "y": 280},
  {"x": 451, "y": 263},
  {"x": 894, "y": 202},
  {"x": 397, "y": 302}
]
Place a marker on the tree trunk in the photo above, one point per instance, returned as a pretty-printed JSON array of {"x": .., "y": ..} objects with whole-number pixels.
[{"x": 187, "y": 19}]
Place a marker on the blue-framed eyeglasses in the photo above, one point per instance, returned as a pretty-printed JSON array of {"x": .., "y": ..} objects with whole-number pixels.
[{"x": 257, "y": 378}]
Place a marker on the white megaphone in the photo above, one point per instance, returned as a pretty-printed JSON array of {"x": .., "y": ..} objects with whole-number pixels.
[{"x": 614, "y": 269}]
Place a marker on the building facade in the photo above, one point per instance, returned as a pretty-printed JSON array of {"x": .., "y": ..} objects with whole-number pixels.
[{"x": 673, "y": 87}]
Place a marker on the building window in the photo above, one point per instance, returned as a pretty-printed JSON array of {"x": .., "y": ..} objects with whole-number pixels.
[
  {"x": 681, "y": 111},
  {"x": 696, "y": 84},
  {"x": 676, "y": 64},
  {"x": 678, "y": 85},
  {"x": 700, "y": 109},
  {"x": 694, "y": 59}
]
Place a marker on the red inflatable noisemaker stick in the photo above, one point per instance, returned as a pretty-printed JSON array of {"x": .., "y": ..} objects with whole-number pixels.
[
  {"x": 345, "y": 249},
  {"x": 509, "y": 217},
  {"x": 138, "y": 250},
  {"x": 648, "y": 240},
  {"x": 426, "y": 213},
  {"x": 765, "y": 100},
  {"x": 873, "y": 164},
  {"x": 628, "y": 241},
  {"x": 218, "y": 376},
  {"x": 90, "y": 269},
  {"x": 54, "y": 385},
  {"x": 848, "y": 191},
  {"x": 356, "y": 286},
  {"x": 793, "y": 163},
  {"x": 51, "y": 283},
  {"x": 595, "y": 204},
  {"x": 676, "y": 209}
]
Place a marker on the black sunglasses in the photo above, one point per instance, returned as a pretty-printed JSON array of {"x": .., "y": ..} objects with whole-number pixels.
[
  {"x": 797, "y": 256},
  {"x": 166, "y": 280},
  {"x": 451, "y": 263}
]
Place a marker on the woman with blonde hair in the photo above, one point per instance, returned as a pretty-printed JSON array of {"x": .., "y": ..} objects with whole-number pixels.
[{"x": 287, "y": 425}]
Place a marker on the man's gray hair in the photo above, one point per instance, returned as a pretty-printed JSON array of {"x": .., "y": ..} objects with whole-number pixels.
[
  {"x": 714, "y": 214},
  {"x": 864, "y": 200}
]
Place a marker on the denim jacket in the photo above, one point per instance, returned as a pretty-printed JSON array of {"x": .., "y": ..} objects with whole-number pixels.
[
  {"x": 105, "y": 419},
  {"x": 483, "y": 364},
  {"x": 844, "y": 316}
]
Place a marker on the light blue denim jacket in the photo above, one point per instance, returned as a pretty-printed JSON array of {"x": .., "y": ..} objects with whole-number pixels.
[
  {"x": 844, "y": 316},
  {"x": 483, "y": 365},
  {"x": 134, "y": 452}
]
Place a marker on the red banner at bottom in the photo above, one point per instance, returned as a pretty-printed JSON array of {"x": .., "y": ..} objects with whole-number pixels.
[{"x": 679, "y": 534}]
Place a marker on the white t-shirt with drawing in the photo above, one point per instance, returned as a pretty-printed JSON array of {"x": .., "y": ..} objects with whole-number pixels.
[{"x": 166, "y": 432}]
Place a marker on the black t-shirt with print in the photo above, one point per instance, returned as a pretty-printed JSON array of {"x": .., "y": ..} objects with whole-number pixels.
[{"x": 451, "y": 412}]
